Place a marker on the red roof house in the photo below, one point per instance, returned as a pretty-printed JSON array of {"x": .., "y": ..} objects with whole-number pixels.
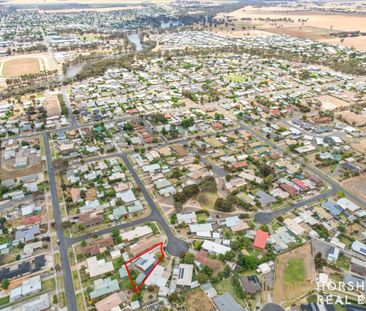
[
  {"x": 241, "y": 164},
  {"x": 260, "y": 240},
  {"x": 217, "y": 125},
  {"x": 132, "y": 111},
  {"x": 300, "y": 184},
  {"x": 32, "y": 220},
  {"x": 289, "y": 189}
]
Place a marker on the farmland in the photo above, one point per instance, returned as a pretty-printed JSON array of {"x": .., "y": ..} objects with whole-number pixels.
[{"x": 306, "y": 23}]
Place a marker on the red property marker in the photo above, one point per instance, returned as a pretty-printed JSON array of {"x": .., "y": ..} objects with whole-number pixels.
[{"x": 137, "y": 289}]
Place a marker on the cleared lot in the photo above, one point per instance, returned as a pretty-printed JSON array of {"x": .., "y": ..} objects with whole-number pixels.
[{"x": 295, "y": 274}]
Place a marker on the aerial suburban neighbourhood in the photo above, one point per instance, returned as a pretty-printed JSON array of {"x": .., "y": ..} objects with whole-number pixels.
[{"x": 203, "y": 155}]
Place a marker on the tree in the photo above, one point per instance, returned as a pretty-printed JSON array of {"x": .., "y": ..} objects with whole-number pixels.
[
  {"x": 5, "y": 283},
  {"x": 247, "y": 262},
  {"x": 187, "y": 122},
  {"x": 209, "y": 184},
  {"x": 227, "y": 271},
  {"x": 265, "y": 170},
  {"x": 188, "y": 258},
  {"x": 202, "y": 277},
  {"x": 174, "y": 297},
  {"x": 223, "y": 205},
  {"x": 319, "y": 261},
  {"x": 321, "y": 230}
]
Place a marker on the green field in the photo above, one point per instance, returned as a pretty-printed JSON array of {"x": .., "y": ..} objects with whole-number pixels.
[
  {"x": 295, "y": 271},
  {"x": 89, "y": 37},
  {"x": 235, "y": 78}
]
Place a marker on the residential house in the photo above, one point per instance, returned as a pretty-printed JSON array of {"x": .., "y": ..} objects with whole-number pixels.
[{"x": 103, "y": 287}]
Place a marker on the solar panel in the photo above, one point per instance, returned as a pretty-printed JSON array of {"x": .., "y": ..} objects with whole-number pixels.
[{"x": 181, "y": 273}]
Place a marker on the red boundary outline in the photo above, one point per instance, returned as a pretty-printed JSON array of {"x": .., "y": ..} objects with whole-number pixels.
[{"x": 137, "y": 289}]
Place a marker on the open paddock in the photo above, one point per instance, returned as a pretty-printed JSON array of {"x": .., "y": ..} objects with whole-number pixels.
[
  {"x": 359, "y": 145},
  {"x": 353, "y": 118},
  {"x": 52, "y": 104},
  {"x": 295, "y": 274},
  {"x": 329, "y": 102},
  {"x": 351, "y": 42},
  {"x": 357, "y": 185},
  {"x": 298, "y": 17}
]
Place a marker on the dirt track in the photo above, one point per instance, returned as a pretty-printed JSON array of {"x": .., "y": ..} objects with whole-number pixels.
[{"x": 21, "y": 66}]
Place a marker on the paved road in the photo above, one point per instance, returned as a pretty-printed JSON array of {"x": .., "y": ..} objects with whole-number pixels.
[
  {"x": 63, "y": 246},
  {"x": 267, "y": 217},
  {"x": 175, "y": 246}
]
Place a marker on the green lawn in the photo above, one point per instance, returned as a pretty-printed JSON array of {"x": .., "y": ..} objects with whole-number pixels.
[
  {"x": 79, "y": 301},
  {"x": 225, "y": 286},
  {"x": 125, "y": 284},
  {"x": 4, "y": 300},
  {"x": 336, "y": 277},
  {"x": 343, "y": 262},
  {"x": 346, "y": 240},
  {"x": 89, "y": 36},
  {"x": 236, "y": 78},
  {"x": 201, "y": 217},
  {"x": 48, "y": 284},
  {"x": 295, "y": 271},
  {"x": 197, "y": 244},
  {"x": 76, "y": 280}
]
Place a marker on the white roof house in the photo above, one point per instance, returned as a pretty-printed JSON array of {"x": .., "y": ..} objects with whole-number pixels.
[
  {"x": 188, "y": 218},
  {"x": 346, "y": 204},
  {"x": 138, "y": 232},
  {"x": 294, "y": 227},
  {"x": 232, "y": 221},
  {"x": 40, "y": 303},
  {"x": 155, "y": 277},
  {"x": 359, "y": 247},
  {"x": 216, "y": 248},
  {"x": 264, "y": 268},
  {"x": 97, "y": 267},
  {"x": 202, "y": 230},
  {"x": 127, "y": 196},
  {"x": 185, "y": 272}
]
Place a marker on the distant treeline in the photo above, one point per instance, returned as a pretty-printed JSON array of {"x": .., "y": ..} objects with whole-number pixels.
[{"x": 346, "y": 34}]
